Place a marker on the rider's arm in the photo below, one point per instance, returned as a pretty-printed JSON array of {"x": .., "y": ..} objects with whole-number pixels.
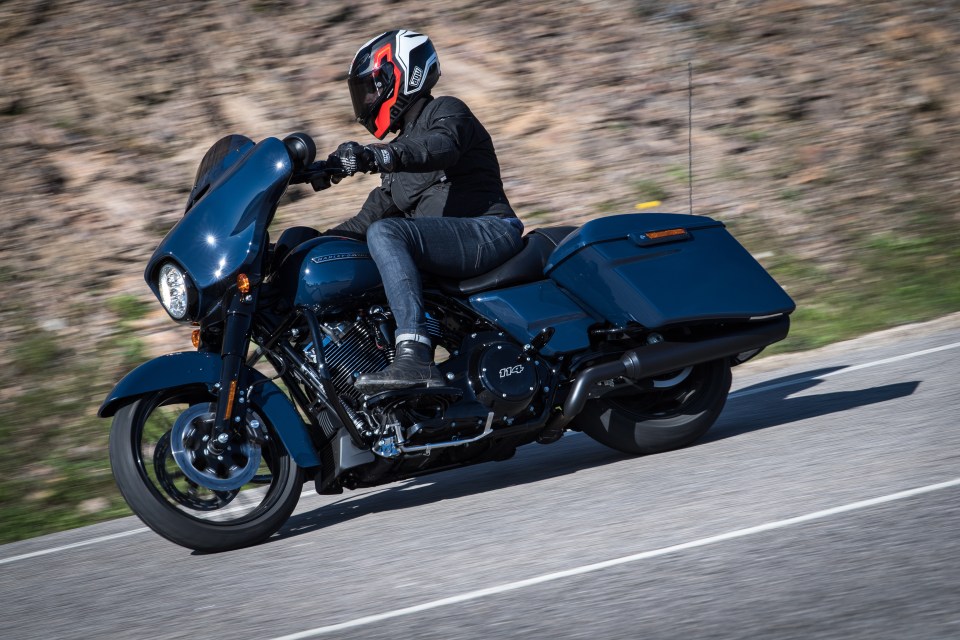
[
  {"x": 379, "y": 205},
  {"x": 451, "y": 131},
  {"x": 438, "y": 148}
]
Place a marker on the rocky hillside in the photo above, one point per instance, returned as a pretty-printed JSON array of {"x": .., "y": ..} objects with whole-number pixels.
[{"x": 825, "y": 134}]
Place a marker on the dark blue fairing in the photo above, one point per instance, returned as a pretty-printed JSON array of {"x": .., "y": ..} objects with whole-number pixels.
[
  {"x": 621, "y": 270},
  {"x": 328, "y": 274},
  {"x": 191, "y": 368},
  {"x": 225, "y": 229},
  {"x": 525, "y": 310}
]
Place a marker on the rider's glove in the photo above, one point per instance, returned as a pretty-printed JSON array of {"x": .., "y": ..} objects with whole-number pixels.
[
  {"x": 383, "y": 156},
  {"x": 355, "y": 158},
  {"x": 322, "y": 181}
]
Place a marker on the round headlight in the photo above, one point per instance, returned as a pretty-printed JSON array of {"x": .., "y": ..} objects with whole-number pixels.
[{"x": 173, "y": 290}]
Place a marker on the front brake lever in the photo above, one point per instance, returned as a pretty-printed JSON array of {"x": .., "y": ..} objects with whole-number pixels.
[
  {"x": 310, "y": 172},
  {"x": 319, "y": 175}
]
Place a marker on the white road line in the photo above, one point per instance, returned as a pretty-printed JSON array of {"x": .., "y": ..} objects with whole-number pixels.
[
  {"x": 877, "y": 363},
  {"x": 599, "y": 566},
  {"x": 123, "y": 534},
  {"x": 82, "y": 543},
  {"x": 735, "y": 394},
  {"x": 838, "y": 372}
]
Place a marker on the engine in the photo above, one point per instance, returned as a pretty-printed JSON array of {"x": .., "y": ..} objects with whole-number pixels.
[
  {"x": 361, "y": 347},
  {"x": 503, "y": 377},
  {"x": 489, "y": 373},
  {"x": 357, "y": 349}
]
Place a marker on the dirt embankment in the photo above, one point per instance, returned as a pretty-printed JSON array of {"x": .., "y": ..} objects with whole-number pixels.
[{"x": 819, "y": 126}]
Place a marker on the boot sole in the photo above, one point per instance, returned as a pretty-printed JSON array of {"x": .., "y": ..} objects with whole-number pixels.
[{"x": 372, "y": 387}]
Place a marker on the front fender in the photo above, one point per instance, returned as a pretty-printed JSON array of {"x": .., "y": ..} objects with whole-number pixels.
[{"x": 191, "y": 368}]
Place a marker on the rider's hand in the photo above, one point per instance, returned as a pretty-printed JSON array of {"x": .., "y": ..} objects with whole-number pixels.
[
  {"x": 321, "y": 182},
  {"x": 383, "y": 157},
  {"x": 354, "y": 158}
]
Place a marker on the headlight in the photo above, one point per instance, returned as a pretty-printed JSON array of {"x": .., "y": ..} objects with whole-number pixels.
[{"x": 173, "y": 290}]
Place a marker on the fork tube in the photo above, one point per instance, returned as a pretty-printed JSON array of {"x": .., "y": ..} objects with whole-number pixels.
[{"x": 236, "y": 342}]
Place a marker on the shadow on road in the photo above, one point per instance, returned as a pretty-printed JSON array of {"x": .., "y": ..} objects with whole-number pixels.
[
  {"x": 751, "y": 409},
  {"x": 532, "y": 464},
  {"x": 769, "y": 404}
]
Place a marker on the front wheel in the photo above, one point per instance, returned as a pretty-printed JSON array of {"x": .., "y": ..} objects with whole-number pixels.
[
  {"x": 671, "y": 412},
  {"x": 208, "y": 509}
]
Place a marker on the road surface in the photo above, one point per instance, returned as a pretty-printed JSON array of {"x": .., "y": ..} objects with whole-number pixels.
[{"x": 823, "y": 504}]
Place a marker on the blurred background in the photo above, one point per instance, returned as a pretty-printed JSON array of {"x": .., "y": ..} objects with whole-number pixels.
[{"x": 825, "y": 135}]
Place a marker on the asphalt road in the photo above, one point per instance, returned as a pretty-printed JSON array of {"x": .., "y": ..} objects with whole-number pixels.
[{"x": 823, "y": 504}]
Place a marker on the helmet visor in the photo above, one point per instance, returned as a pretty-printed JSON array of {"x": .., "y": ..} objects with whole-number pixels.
[{"x": 365, "y": 94}]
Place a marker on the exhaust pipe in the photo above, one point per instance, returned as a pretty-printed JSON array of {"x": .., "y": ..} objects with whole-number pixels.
[{"x": 663, "y": 357}]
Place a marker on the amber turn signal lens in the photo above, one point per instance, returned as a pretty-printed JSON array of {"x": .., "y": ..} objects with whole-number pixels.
[
  {"x": 195, "y": 338},
  {"x": 666, "y": 233},
  {"x": 243, "y": 283},
  {"x": 231, "y": 394}
]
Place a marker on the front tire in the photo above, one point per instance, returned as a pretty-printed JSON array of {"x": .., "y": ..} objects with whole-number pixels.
[
  {"x": 180, "y": 509},
  {"x": 672, "y": 414}
]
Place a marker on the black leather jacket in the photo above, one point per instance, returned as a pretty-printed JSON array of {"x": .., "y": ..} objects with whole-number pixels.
[{"x": 444, "y": 164}]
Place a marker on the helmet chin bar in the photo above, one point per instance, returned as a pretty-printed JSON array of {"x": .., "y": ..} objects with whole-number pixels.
[{"x": 384, "y": 79}]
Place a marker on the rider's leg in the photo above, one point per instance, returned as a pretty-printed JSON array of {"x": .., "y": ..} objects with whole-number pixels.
[{"x": 452, "y": 247}]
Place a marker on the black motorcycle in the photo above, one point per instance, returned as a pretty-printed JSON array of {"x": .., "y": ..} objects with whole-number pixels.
[{"x": 625, "y": 328}]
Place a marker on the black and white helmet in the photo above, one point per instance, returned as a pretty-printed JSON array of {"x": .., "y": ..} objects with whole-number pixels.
[{"x": 387, "y": 75}]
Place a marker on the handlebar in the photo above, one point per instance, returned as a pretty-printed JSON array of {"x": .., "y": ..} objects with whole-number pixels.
[{"x": 319, "y": 174}]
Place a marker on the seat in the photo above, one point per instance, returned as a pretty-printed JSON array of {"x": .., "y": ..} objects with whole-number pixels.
[{"x": 526, "y": 266}]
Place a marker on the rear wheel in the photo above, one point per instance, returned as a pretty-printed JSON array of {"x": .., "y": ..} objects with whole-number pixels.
[
  {"x": 233, "y": 500},
  {"x": 672, "y": 412}
]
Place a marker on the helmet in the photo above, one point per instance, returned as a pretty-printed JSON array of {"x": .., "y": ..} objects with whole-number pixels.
[{"x": 387, "y": 75}]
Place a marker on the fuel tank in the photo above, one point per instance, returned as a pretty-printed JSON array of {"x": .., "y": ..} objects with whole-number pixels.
[{"x": 330, "y": 274}]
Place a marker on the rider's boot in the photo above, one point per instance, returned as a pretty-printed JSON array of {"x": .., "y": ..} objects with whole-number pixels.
[{"x": 412, "y": 367}]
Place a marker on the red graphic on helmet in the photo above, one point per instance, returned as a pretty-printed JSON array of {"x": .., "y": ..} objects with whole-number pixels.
[{"x": 380, "y": 72}]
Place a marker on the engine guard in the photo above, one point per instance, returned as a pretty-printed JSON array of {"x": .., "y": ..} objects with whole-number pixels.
[{"x": 190, "y": 368}]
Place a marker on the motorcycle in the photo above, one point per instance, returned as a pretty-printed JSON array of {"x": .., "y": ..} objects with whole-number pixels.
[{"x": 625, "y": 328}]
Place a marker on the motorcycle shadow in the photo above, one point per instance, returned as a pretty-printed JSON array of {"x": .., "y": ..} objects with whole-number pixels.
[
  {"x": 532, "y": 464},
  {"x": 769, "y": 404}
]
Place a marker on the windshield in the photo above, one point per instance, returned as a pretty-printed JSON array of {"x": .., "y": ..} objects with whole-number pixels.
[
  {"x": 225, "y": 227},
  {"x": 226, "y": 152}
]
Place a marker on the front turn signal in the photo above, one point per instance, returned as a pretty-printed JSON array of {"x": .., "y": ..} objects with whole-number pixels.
[
  {"x": 243, "y": 283},
  {"x": 195, "y": 338}
]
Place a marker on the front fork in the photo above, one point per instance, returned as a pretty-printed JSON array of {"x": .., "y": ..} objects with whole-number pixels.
[{"x": 231, "y": 391}]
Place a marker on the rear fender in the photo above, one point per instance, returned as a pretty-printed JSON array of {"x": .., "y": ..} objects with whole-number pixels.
[{"x": 193, "y": 368}]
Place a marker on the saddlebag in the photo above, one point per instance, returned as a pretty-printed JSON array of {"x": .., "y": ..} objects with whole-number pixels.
[{"x": 660, "y": 269}]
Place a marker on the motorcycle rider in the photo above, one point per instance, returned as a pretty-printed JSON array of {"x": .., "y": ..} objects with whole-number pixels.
[{"x": 440, "y": 207}]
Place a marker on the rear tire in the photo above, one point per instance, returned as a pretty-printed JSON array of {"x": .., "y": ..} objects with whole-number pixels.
[
  {"x": 180, "y": 509},
  {"x": 660, "y": 419}
]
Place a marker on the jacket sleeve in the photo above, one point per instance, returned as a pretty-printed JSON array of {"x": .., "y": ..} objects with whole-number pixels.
[
  {"x": 438, "y": 148},
  {"x": 378, "y": 205}
]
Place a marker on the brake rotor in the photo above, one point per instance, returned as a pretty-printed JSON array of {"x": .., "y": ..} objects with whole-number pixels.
[{"x": 226, "y": 470}]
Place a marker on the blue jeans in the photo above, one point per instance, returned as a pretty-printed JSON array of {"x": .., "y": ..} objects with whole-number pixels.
[{"x": 456, "y": 248}]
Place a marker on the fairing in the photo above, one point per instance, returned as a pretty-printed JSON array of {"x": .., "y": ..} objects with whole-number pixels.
[{"x": 224, "y": 231}]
